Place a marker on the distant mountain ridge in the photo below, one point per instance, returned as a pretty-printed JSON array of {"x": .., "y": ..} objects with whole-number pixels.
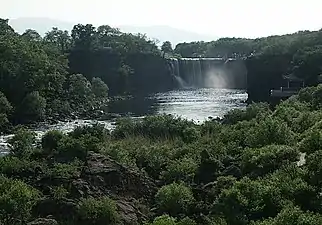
[{"x": 161, "y": 33}]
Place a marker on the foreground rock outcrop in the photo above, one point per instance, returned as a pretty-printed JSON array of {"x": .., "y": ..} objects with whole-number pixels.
[{"x": 100, "y": 176}]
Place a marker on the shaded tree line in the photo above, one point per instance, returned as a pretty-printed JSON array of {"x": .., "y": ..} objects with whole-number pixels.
[
  {"x": 68, "y": 74},
  {"x": 267, "y": 59}
]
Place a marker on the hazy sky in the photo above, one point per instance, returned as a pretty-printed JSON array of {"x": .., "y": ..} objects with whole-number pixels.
[{"x": 247, "y": 18}]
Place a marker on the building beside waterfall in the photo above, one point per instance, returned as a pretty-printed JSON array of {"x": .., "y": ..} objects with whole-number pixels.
[{"x": 291, "y": 87}]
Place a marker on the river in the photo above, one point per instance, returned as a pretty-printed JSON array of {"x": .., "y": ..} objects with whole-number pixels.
[{"x": 193, "y": 104}]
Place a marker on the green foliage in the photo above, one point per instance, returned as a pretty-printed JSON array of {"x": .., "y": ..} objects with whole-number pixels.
[
  {"x": 22, "y": 143},
  {"x": 96, "y": 130},
  {"x": 180, "y": 170},
  {"x": 5, "y": 106},
  {"x": 269, "y": 131},
  {"x": 99, "y": 88},
  {"x": 66, "y": 170},
  {"x": 243, "y": 169},
  {"x": 80, "y": 90},
  {"x": 163, "y": 126},
  {"x": 70, "y": 148},
  {"x": 168, "y": 220},
  {"x": 101, "y": 211},
  {"x": 312, "y": 142},
  {"x": 174, "y": 199},
  {"x": 16, "y": 201},
  {"x": 255, "y": 110},
  {"x": 59, "y": 192},
  {"x": 251, "y": 200},
  {"x": 50, "y": 141},
  {"x": 163, "y": 220},
  {"x": 31, "y": 35},
  {"x": 4, "y": 123},
  {"x": 23, "y": 168},
  {"x": 32, "y": 107},
  {"x": 293, "y": 215},
  {"x": 59, "y": 39},
  {"x": 259, "y": 162},
  {"x": 314, "y": 165}
]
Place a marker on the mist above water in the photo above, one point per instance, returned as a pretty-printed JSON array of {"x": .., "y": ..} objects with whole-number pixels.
[
  {"x": 208, "y": 73},
  {"x": 216, "y": 78}
]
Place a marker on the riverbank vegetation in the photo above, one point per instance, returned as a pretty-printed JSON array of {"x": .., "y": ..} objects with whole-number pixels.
[
  {"x": 256, "y": 166},
  {"x": 64, "y": 75}
]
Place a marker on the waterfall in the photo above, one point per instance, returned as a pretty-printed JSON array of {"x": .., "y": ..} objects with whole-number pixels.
[
  {"x": 207, "y": 72},
  {"x": 175, "y": 71}
]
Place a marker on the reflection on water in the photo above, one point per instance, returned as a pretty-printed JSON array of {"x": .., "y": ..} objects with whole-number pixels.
[{"x": 193, "y": 104}]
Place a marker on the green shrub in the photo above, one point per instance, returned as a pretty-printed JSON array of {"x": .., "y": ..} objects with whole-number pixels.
[
  {"x": 22, "y": 168},
  {"x": 261, "y": 161},
  {"x": 174, "y": 199},
  {"x": 269, "y": 131},
  {"x": 252, "y": 111},
  {"x": 251, "y": 200},
  {"x": 70, "y": 148},
  {"x": 50, "y": 141},
  {"x": 186, "y": 221},
  {"x": 306, "y": 94},
  {"x": 102, "y": 211},
  {"x": 59, "y": 192},
  {"x": 5, "y": 106},
  {"x": 66, "y": 170},
  {"x": 180, "y": 170},
  {"x": 157, "y": 127},
  {"x": 32, "y": 107},
  {"x": 293, "y": 215},
  {"x": 97, "y": 130},
  {"x": 163, "y": 220},
  {"x": 16, "y": 201},
  {"x": 22, "y": 144},
  {"x": 99, "y": 88},
  {"x": 312, "y": 142},
  {"x": 317, "y": 97},
  {"x": 314, "y": 165},
  {"x": 168, "y": 220},
  {"x": 4, "y": 123}
]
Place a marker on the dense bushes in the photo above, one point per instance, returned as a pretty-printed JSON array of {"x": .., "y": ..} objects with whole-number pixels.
[
  {"x": 259, "y": 167},
  {"x": 174, "y": 199},
  {"x": 16, "y": 201},
  {"x": 157, "y": 127},
  {"x": 98, "y": 211}
]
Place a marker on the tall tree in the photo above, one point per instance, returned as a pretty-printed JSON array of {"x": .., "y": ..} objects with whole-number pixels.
[
  {"x": 84, "y": 36},
  {"x": 61, "y": 39},
  {"x": 166, "y": 48},
  {"x": 31, "y": 35},
  {"x": 5, "y": 28}
]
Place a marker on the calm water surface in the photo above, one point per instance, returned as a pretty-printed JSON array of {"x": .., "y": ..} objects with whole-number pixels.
[{"x": 192, "y": 104}]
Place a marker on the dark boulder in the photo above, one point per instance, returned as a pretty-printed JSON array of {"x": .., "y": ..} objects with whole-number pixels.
[
  {"x": 102, "y": 174},
  {"x": 61, "y": 209},
  {"x": 43, "y": 221}
]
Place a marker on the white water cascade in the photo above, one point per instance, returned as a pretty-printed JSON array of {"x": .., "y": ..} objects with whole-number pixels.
[{"x": 208, "y": 72}]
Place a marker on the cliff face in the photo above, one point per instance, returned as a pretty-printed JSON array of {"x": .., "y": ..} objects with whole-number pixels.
[
  {"x": 151, "y": 73},
  {"x": 134, "y": 73}
]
